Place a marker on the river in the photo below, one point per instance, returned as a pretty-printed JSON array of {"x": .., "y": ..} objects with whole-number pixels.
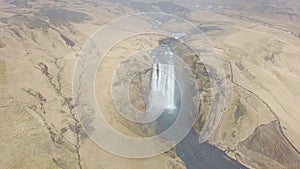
[{"x": 204, "y": 155}]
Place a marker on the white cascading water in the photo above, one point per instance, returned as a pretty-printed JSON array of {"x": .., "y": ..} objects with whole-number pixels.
[
  {"x": 162, "y": 101},
  {"x": 163, "y": 80},
  {"x": 171, "y": 87},
  {"x": 154, "y": 80}
]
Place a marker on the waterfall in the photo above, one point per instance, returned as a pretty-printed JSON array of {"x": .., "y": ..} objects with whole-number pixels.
[
  {"x": 163, "y": 80},
  {"x": 154, "y": 80},
  {"x": 171, "y": 87},
  {"x": 164, "y": 102}
]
